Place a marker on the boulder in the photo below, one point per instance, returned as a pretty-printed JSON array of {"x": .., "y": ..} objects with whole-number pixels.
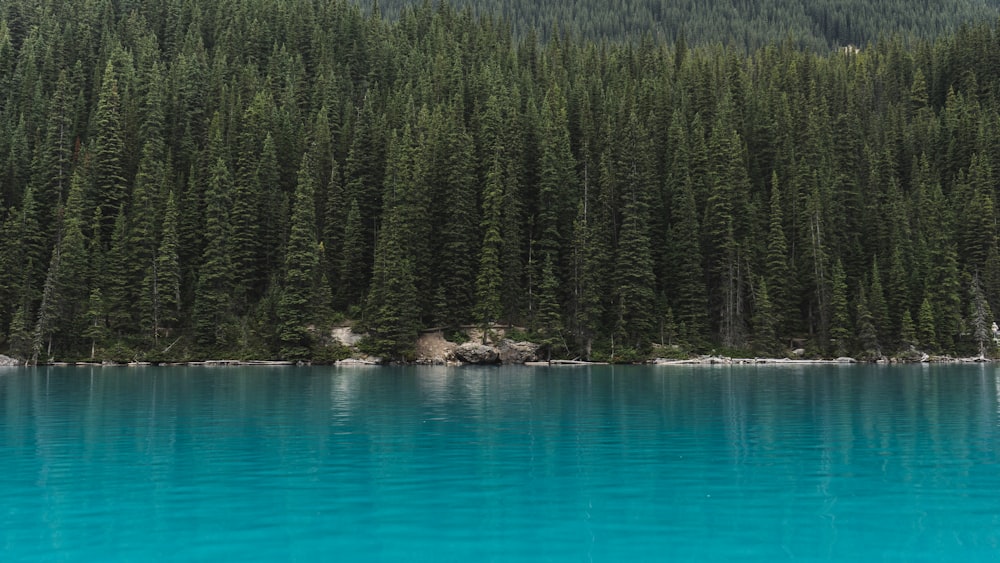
[
  {"x": 357, "y": 362},
  {"x": 475, "y": 353},
  {"x": 511, "y": 352},
  {"x": 7, "y": 361}
]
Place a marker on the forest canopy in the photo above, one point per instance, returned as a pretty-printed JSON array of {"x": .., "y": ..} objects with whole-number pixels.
[
  {"x": 818, "y": 25},
  {"x": 193, "y": 178}
]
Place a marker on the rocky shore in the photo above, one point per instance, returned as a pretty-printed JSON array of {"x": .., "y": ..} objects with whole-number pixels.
[
  {"x": 725, "y": 360},
  {"x": 432, "y": 348}
]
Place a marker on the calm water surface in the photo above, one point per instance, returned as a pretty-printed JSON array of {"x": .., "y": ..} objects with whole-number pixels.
[{"x": 501, "y": 464}]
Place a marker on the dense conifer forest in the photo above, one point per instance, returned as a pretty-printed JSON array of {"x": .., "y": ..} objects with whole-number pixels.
[
  {"x": 818, "y": 25},
  {"x": 185, "y": 178}
]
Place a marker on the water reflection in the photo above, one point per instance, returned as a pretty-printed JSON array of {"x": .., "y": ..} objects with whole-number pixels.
[
  {"x": 996, "y": 385},
  {"x": 801, "y": 462}
]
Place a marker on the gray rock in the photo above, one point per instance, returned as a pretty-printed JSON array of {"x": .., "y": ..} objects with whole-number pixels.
[
  {"x": 475, "y": 353},
  {"x": 511, "y": 352},
  {"x": 357, "y": 362},
  {"x": 799, "y": 352},
  {"x": 7, "y": 361}
]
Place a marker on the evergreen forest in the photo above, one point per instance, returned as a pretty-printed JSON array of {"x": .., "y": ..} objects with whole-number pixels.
[
  {"x": 230, "y": 178},
  {"x": 818, "y": 25}
]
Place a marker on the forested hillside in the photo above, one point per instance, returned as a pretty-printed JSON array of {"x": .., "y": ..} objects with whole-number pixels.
[
  {"x": 193, "y": 178},
  {"x": 818, "y": 25}
]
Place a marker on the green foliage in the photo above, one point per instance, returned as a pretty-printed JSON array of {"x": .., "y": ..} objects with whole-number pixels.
[
  {"x": 163, "y": 282},
  {"x": 457, "y": 336},
  {"x": 549, "y": 325},
  {"x": 489, "y": 280},
  {"x": 765, "y": 322},
  {"x": 109, "y": 152},
  {"x": 980, "y": 317},
  {"x": 674, "y": 352},
  {"x": 392, "y": 314},
  {"x": 925, "y": 327},
  {"x": 625, "y": 355},
  {"x": 747, "y": 25},
  {"x": 352, "y": 262},
  {"x": 840, "y": 327},
  {"x": 190, "y": 179},
  {"x": 214, "y": 287},
  {"x": 867, "y": 337},
  {"x": 635, "y": 296},
  {"x": 329, "y": 353},
  {"x": 908, "y": 332},
  {"x": 296, "y": 306}
]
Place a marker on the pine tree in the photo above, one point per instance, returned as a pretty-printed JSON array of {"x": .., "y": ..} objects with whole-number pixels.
[
  {"x": 980, "y": 316},
  {"x": 214, "y": 287},
  {"x": 10, "y": 266},
  {"x": 877, "y": 305},
  {"x": 976, "y": 214},
  {"x": 335, "y": 211},
  {"x": 364, "y": 172},
  {"x": 549, "y": 319},
  {"x": 53, "y": 161},
  {"x": 162, "y": 284},
  {"x": 945, "y": 288},
  {"x": 272, "y": 210},
  {"x": 691, "y": 305},
  {"x": 591, "y": 257},
  {"x": 392, "y": 310},
  {"x": 21, "y": 338},
  {"x": 729, "y": 185},
  {"x": 840, "y": 321},
  {"x": 295, "y": 309},
  {"x": 353, "y": 279},
  {"x": 991, "y": 277},
  {"x": 118, "y": 289},
  {"x": 908, "y": 331},
  {"x": 97, "y": 329},
  {"x": 897, "y": 296},
  {"x": 776, "y": 261},
  {"x": 29, "y": 254},
  {"x": 504, "y": 136},
  {"x": 816, "y": 260},
  {"x": 147, "y": 209},
  {"x": 926, "y": 327},
  {"x": 459, "y": 233},
  {"x": 65, "y": 291},
  {"x": 489, "y": 280},
  {"x": 109, "y": 152},
  {"x": 634, "y": 272},
  {"x": 557, "y": 178},
  {"x": 47, "y": 310},
  {"x": 765, "y": 321},
  {"x": 247, "y": 229},
  {"x": 865, "y": 328},
  {"x": 417, "y": 173},
  {"x": 635, "y": 293}
]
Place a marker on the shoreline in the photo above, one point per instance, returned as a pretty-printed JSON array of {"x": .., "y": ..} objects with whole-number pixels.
[
  {"x": 845, "y": 360},
  {"x": 706, "y": 360}
]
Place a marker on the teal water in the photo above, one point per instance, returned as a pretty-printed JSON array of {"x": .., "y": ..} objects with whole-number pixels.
[{"x": 501, "y": 464}]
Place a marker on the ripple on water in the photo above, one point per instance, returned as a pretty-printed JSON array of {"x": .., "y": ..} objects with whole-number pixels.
[{"x": 508, "y": 464}]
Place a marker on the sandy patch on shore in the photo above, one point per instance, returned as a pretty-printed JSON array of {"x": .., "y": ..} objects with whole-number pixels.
[{"x": 432, "y": 347}]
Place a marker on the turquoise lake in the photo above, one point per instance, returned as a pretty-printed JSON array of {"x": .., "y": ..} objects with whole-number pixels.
[{"x": 702, "y": 463}]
